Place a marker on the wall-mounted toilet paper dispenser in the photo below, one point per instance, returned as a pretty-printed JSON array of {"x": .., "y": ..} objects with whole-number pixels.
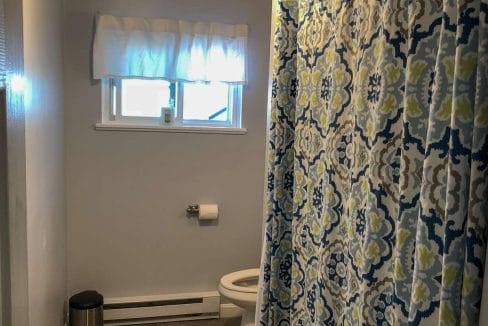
[{"x": 204, "y": 212}]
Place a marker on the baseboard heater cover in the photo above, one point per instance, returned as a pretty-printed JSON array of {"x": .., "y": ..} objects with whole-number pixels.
[{"x": 160, "y": 309}]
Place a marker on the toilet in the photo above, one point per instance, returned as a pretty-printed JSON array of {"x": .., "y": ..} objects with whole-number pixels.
[{"x": 241, "y": 289}]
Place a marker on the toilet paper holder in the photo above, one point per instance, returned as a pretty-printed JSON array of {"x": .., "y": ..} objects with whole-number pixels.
[
  {"x": 204, "y": 212},
  {"x": 193, "y": 209}
]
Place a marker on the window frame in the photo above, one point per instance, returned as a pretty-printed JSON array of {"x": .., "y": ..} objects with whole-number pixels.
[{"x": 112, "y": 110}]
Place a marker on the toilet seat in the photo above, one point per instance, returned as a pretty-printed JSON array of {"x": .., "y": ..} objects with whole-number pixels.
[
  {"x": 241, "y": 289},
  {"x": 231, "y": 281}
]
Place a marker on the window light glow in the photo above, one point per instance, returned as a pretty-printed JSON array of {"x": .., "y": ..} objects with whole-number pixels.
[{"x": 17, "y": 83}]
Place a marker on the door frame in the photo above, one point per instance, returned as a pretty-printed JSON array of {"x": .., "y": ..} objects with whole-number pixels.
[{"x": 14, "y": 228}]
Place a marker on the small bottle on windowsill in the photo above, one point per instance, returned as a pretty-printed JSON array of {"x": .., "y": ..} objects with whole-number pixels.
[{"x": 168, "y": 115}]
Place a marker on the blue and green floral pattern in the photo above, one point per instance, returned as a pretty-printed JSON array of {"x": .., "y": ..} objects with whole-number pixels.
[{"x": 378, "y": 163}]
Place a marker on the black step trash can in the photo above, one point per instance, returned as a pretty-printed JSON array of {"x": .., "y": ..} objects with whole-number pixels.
[{"x": 86, "y": 309}]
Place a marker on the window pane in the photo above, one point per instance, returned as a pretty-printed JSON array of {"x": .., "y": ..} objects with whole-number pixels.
[
  {"x": 145, "y": 98},
  {"x": 208, "y": 102}
]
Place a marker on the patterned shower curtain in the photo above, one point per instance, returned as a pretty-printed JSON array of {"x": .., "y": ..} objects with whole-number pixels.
[{"x": 378, "y": 163}]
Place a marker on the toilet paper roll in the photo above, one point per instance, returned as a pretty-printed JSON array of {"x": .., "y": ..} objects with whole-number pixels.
[{"x": 208, "y": 212}]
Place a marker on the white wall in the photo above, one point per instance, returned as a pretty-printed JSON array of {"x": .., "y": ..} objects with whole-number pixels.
[
  {"x": 44, "y": 140},
  {"x": 127, "y": 191}
]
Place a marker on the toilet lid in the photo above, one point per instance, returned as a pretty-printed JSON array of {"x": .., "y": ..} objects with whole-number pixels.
[{"x": 242, "y": 281}]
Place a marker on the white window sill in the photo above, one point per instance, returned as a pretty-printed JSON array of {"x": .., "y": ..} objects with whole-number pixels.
[{"x": 173, "y": 129}]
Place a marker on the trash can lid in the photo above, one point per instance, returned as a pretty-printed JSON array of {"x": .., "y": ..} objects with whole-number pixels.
[{"x": 86, "y": 300}]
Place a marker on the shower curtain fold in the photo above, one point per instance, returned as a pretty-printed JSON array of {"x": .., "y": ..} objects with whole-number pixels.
[{"x": 377, "y": 163}]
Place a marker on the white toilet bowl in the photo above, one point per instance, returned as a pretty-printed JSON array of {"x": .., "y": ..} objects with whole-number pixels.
[{"x": 241, "y": 289}]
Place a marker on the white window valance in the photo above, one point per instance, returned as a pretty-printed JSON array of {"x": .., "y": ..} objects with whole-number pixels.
[{"x": 127, "y": 47}]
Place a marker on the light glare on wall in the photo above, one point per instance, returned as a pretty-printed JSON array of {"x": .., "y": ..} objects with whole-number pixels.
[{"x": 17, "y": 83}]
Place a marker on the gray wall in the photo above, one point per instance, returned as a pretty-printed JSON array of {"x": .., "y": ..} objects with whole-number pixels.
[
  {"x": 44, "y": 150},
  {"x": 127, "y": 191}
]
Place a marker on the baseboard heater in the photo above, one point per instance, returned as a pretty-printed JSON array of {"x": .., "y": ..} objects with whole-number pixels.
[{"x": 160, "y": 309}]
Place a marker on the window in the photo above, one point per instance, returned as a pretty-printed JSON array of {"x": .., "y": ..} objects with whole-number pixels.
[
  {"x": 144, "y": 102},
  {"x": 170, "y": 74}
]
